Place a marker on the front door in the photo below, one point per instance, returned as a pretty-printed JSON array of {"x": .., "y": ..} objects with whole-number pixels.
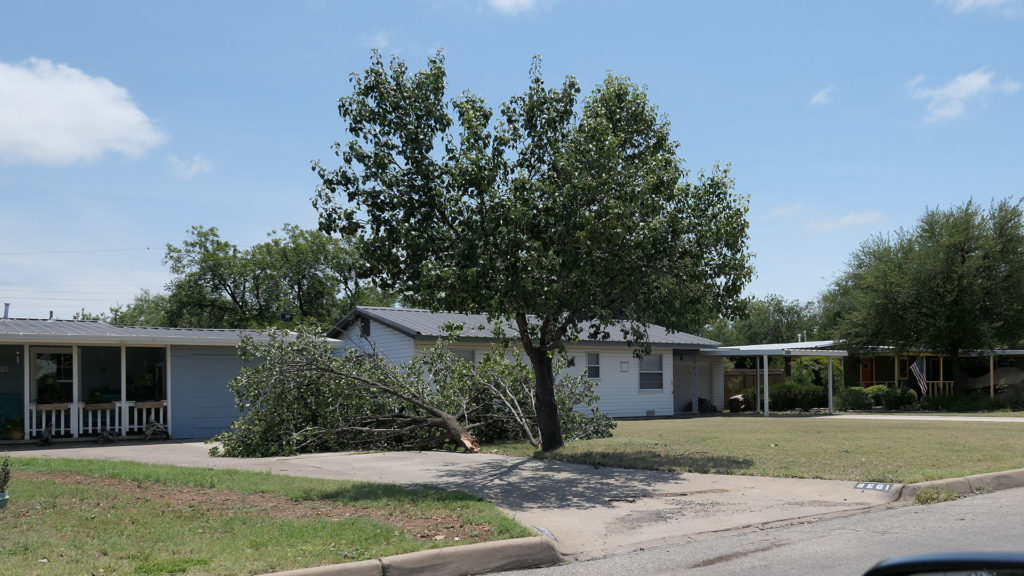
[{"x": 867, "y": 373}]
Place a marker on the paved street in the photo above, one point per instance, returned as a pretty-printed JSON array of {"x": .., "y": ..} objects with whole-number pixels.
[{"x": 846, "y": 545}]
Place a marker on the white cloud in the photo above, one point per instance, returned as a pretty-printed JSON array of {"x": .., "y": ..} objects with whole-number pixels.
[
  {"x": 512, "y": 7},
  {"x": 55, "y": 114},
  {"x": 186, "y": 170},
  {"x": 851, "y": 220},
  {"x": 1009, "y": 7},
  {"x": 950, "y": 100},
  {"x": 824, "y": 96},
  {"x": 785, "y": 211},
  {"x": 380, "y": 40}
]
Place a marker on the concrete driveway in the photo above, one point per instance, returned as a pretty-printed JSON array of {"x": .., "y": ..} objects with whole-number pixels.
[{"x": 591, "y": 512}]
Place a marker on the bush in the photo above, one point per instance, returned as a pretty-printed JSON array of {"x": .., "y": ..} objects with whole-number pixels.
[
  {"x": 853, "y": 399},
  {"x": 898, "y": 398},
  {"x": 793, "y": 396},
  {"x": 876, "y": 393},
  {"x": 975, "y": 401}
]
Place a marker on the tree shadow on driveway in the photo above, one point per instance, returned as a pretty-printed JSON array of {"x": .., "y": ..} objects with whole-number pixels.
[{"x": 529, "y": 484}]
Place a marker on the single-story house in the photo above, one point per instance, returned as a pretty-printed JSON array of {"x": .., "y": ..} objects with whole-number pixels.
[
  {"x": 680, "y": 369},
  {"x": 86, "y": 378}
]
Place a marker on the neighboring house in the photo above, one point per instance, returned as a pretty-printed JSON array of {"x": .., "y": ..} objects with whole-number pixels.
[
  {"x": 661, "y": 384},
  {"x": 84, "y": 378}
]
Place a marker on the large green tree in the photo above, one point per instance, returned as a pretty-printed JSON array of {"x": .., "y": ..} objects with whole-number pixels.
[
  {"x": 767, "y": 320},
  {"x": 954, "y": 283},
  {"x": 560, "y": 217},
  {"x": 305, "y": 273}
]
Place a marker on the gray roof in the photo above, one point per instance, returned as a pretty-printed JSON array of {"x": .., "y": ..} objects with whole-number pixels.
[
  {"x": 31, "y": 331},
  {"x": 418, "y": 323}
]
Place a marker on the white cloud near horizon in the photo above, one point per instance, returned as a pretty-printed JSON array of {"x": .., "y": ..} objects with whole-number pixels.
[
  {"x": 851, "y": 220},
  {"x": 55, "y": 114},
  {"x": 950, "y": 100},
  {"x": 512, "y": 7},
  {"x": 1009, "y": 7},
  {"x": 189, "y": 169},
  {"x": 824, "y": 96}
]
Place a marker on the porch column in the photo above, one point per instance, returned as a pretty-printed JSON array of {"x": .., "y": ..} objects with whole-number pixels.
[
  {"x": 76, "y": 381},
  {"x": 766, "y": 410},
  {"x": 829, "y": 360},
  {"x": 991, "y": 376},
  {"x": 26, "y": 372},
  {"x": 124, "y": 390},
  {"x": 167, "y": 386},
  {"x": 895, "y": 371}
]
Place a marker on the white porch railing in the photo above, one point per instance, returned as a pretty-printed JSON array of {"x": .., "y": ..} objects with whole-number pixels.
[
  {"x": 101, "y": 417},
  {"x": 60, "y": 419},
  {"x": 142, "y": 413}
]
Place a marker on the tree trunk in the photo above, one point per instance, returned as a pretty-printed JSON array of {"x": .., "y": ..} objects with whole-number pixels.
[
  {"x": 544, "y": 402},
  {"x": 459, "y": 434}
]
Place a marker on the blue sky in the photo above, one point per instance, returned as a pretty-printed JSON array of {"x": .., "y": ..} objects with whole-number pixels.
[{"x": 122, "y": 124}]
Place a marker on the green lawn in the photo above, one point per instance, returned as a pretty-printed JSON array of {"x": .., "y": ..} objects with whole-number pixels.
[
  {"x": 98, "y": 517},
  {"x": 798, "y": 447}
]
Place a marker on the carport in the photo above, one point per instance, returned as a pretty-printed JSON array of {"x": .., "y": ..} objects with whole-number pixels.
[{"x": 763, "y": 352}]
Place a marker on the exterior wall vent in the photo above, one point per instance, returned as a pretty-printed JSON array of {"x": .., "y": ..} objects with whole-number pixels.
[{"x": 650, "y": 412}]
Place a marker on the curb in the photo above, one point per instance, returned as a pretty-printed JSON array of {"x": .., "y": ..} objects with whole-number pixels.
[
  {"x": 481, "y": 558},
  {"x": 968, "y": 484}
]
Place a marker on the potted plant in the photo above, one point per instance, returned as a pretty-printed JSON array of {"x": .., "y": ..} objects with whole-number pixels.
[
  {"x": 5, "y": 477},
  {"x": 15, "y": 429}
]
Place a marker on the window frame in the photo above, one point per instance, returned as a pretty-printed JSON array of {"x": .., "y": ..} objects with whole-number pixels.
[{"x": 641, "y": 371}]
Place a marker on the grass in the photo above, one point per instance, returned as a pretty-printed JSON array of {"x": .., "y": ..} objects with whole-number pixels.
[
  {"x": 796, "y": 447},
  {"x": 93, "y": 517},
  {"x": 934, "y": 496}
]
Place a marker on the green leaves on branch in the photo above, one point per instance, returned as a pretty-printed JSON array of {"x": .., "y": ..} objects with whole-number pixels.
[{"x": 297, "y": 396}]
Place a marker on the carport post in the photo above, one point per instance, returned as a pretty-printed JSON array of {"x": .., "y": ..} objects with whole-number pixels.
[
  {"x": 766, "y": 410},
  {"x": 829, "y": 360},
  {"x": 693, "y": 384}
]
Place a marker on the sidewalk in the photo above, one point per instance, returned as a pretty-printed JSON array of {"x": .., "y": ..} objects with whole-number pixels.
[{"x": 590, "y": 512}]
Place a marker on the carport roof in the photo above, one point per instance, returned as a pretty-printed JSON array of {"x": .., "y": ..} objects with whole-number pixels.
[{"x": 827, "y": 348}]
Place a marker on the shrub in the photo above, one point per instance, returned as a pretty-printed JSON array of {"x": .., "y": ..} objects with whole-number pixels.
[
  {"x": 974, "y": 401},
  {"x": 898, "y": 398},
  {"x": 793, "y": 396},
  {"x": 853, "y": 399},
  {"x": 876, "y": 392}
]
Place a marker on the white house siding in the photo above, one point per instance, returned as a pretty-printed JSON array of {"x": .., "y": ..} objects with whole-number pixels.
[
  {"x": 384, "y": 340},
  {"x": 619, "y": 391},
  {"x": 718, "y": 382}
]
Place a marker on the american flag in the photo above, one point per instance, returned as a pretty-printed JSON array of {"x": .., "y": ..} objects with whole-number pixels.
[{"x": 918, "y": 369}]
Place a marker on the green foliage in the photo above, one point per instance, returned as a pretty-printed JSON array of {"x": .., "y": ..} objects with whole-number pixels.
[
  {"x": 934, "y": 496},
  {"x": 306, "y": 273},
  {"x": 955, "y": 282},
  {"x": 898, "y": 398},
  {"x": 5, "y": 473},
  {"x": 853, "y": 398},
  {"x": 877, "y": 392},
  {"x": 769, "y": 320},
  {"x": 296, "y": 396},
  {"x": 545, "y": 212},
  {"x": 973, "y": 401},
  {"x": 794, "y": 395}
]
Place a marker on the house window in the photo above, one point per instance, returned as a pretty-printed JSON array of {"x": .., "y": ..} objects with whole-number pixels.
[
  {"x": 466, "y": 355},
  {"x": 364, "y": 327},
  {"x": 651, "y": 373},
  {"x": 593, "y": 365}
]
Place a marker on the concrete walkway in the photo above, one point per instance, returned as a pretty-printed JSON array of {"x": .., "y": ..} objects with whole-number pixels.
[
  {"x": 928, "y": 417},
  {"x": 591, "y": 512}
]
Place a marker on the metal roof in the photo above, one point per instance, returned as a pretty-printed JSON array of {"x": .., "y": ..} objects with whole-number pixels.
[
  {"x": 31, "y": 331},
  {"x": 418, "y": 323},
  {"x": 814, "y": 348}
]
